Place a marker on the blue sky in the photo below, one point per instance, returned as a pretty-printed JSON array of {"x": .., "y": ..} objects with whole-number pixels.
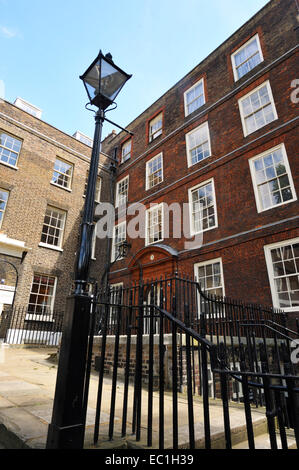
[{"x": 46, "y": 44}]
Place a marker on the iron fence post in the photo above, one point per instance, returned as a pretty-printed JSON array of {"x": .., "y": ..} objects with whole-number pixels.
[
  {"x": 67, "y": 428},
  {"x": 224, "y": 395},
  {"x": 205, "y": 385}
]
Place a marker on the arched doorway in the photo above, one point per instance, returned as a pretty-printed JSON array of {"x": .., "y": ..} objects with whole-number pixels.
[{"x": 153, "y": 262}]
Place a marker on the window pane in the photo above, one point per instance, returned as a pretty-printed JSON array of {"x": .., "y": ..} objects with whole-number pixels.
[
  {"x": 272, "y": 179},
  {"x": 257, "y": 109},
  {"x": 126, "y": 151},
  {"x": 9, "y": 149},
  {"x": 122, "y": 192},
  {"x": 62, "y": 174},
  {"x": 286, "y": 274},
  {"x": 247, "y": 58},
  {"x": 154, "y": 225},
  {"x": 3, "y": 202},
  {"x": 210, "y": 278},
  {"x": 155, "y": 127},
  {"x": 195, "y": 98},
  {"x": 42, "y": 294},
  {"x": 53, "y": 227},
  {"x": 203, "y": 208},
  {"x": 154, "y": 171},
  {"x": 198, "y": 143}
]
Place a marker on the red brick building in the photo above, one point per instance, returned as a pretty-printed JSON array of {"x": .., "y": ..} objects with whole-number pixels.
[{"x": 223, "y": 140}]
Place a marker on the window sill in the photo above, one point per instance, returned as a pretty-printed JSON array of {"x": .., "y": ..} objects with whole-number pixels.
[
  {"x": 8, "y": 165},
  {"x": 154, "y": 187},
  {"x": 41, "y": 317},
  {"x": 155, "y": 139},
  {"x": 153, "y": 243},
  {"x": 246, "y": 134},
  {"x": 95, "y": 201},
  {"x": 124, "y": 161},
  {"x": 61, "y": 187},
  {"x": 260, "y": 211},
  {"x": 187, "y": 115},
  {"x": 191, "y": 165},
  {"x": 288, "y": 309},
  {"x": 51, "y": 247},
  {"x": 193, "y": 233}
]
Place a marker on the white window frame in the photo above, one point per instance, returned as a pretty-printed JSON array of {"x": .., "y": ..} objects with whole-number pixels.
[
  {"x": 113, "y": 257},
  {"x": 117, "y": 201},
  {"x": 147, "y": 186},
  {"x": 188, "y": 149},
  {"x": 61, "y": 233},
  {"x": 17, "y": 153},
  {"x": 188, "y": 91},
  {"x": 150, "y": 124},
  {"x": 254, "y": 182},
  {"x": 2, "y": 211},
  {"x": 124, "y": 145},
  {"x": 97, "y": 197},
  {"x": 207, "y": 262},
  {"x": 267, "y": 84},
  {"x": 190, "y": 190},
  {"x": 93, "y": 243},
  {"x": 269, "y": 263},
  {"x": 41, "y": 316},
  {"x": 256, "y": 36},
  {"x": 147, "y": 212},
  {"x": 70, "y": 178},
  {"x": 112, "y": 318}
]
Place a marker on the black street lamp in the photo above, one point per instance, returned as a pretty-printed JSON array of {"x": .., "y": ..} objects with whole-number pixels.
[{"x": 103, "y": 81}]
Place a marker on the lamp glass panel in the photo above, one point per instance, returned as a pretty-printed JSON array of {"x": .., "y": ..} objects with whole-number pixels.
[
  {"x": 92, "y": 80},
  {"x": 111, "y": 80}
]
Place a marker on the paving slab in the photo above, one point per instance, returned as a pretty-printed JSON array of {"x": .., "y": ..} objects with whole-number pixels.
[{"x": 27, "y": 387}]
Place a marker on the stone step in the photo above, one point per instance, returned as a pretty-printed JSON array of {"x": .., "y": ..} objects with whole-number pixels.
[
  {"x": 263, "y": 441},
  {"x": 238, "y": 435}
]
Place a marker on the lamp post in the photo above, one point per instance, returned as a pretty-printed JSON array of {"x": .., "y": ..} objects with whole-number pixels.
[{"x": 103, "y": 80}]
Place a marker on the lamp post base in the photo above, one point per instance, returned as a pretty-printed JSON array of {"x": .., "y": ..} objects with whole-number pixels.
[{"x": 66, "y": 430}]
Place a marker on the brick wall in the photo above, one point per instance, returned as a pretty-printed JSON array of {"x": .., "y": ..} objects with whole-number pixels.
[
  {"x": 30, "y": 191},
  {"x": 242, "y": 231}
]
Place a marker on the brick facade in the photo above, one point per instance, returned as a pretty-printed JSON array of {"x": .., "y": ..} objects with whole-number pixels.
[
  {"x": 30, "y": 191},
  {"x": 242, "y": 232}
]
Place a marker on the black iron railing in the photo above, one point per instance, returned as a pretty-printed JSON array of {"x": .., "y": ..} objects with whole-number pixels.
[
  {"x": 215, "y": 347},
  {"x": 20, "y": 326}
]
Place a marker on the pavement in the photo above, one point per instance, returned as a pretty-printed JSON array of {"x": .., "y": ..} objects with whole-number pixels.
[{"x": 27, "y": 385}]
